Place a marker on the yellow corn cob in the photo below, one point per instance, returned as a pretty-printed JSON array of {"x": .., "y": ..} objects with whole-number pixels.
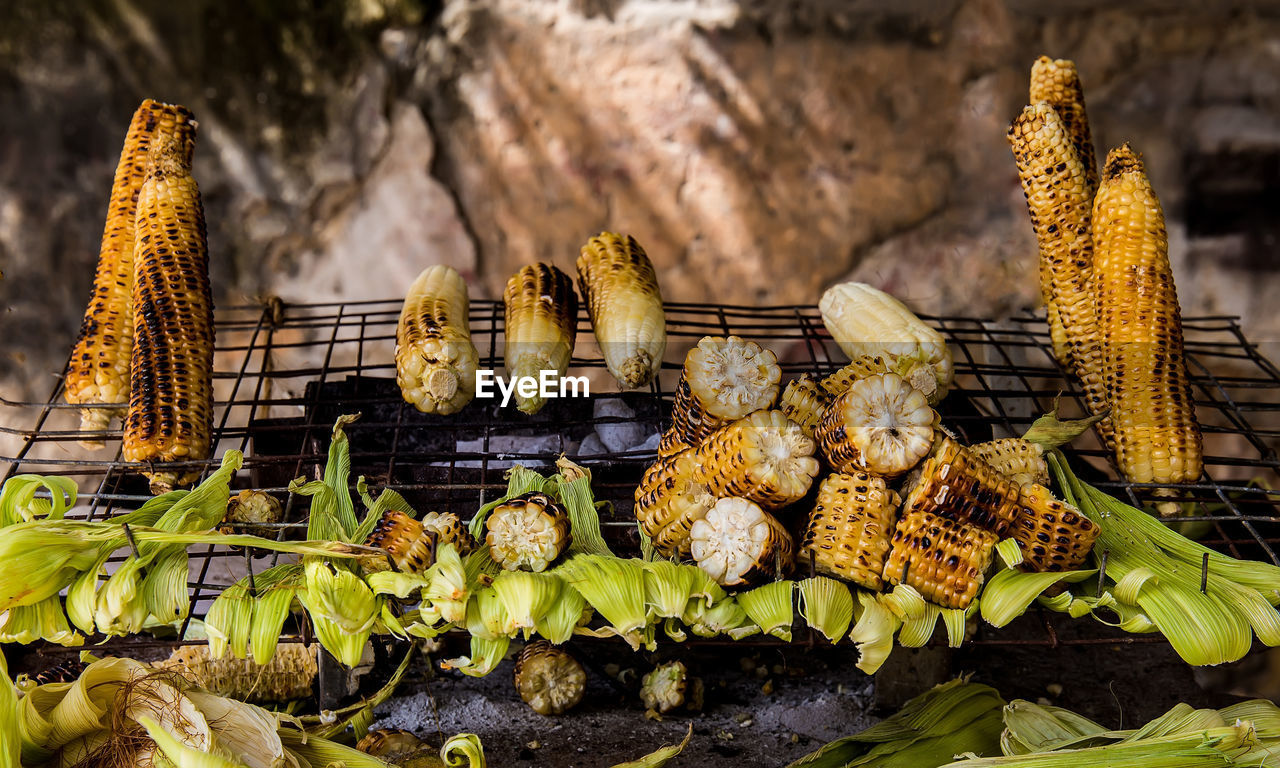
[
  {"x": 412, "y": 543},
  {"x": 171, "y": 376},
  {"x": 669, "y": 500},
  {"x": 549, "y": 679},
  {"x": 723, "y": 380},
  {"x": 804, "y": 402},
  {"x": 435, "y": 358},
  {"x": 99, "y": 369},
  {"x": 1022, "y": 461},
  {"x": 670, "y": 444},
  {"x": 527, "y": 533},
  {"x": 764, "y": 457},
  {"x": 1057, "y": 82},
  {"x": 541, "y": 326},
  {"x": 621, "y": 291},
  {"x": 944, "y": 560},
  {"x": 955, "y": 484},
  {"x": 1052, "y": 534},
  {"x": 880, "y": 425},
  {"x": 737, "y": 542},
  {"x": 1058, "y": 199},
  {"x": 850, "y": 528},
  {"x": 254, "y": 512},
  {"x": 1157, "y": 438},
  {"x": 861, "y": 367},
  {"x": 288, "y": 676},
  {"x": 389, "y": 742}
]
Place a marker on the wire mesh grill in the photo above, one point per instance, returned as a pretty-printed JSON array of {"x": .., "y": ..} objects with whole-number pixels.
[{"x": 283, "y": 373}]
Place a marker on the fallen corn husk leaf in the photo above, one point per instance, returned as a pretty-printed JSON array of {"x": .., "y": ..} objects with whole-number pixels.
[
  {"x": 660, "y": 757},
  {"x": 770, "y": 608},
  {"x": 827, "y": 605},
  {"x": 1049, "y": 431}
]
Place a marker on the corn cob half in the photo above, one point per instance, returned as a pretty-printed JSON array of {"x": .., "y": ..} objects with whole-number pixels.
[
  {"x": 621, "y": 291},
  {"x": 541, "y": 326},
  {"x": 1052, "y": 534},
  {"x": 724, "y": 379},
  {"x": 527, "y": 533},
  {"x": 944, "y": 560},
  {"x": 288, "y": 676},
  {"x": 669, "y": 500},
  {"x": 548, "y": 679},
  {"x": 881, "y": 425},
  {"x": 737, "y": 542},
  {"x": 804, "y": 402},
  {"x": 1022, "y": 461},
  {"x": 849, "y": 529},
  {"x": 956, "y": 485},
  {"x": 435, "y": 358},
  {"x": 171, "y": 374},
  {"x": 98, "y": 373},
  {"x": 764, "y": 457}
]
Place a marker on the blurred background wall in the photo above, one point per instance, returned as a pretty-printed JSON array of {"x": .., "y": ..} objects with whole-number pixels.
[{"x": 759, "y": 149}]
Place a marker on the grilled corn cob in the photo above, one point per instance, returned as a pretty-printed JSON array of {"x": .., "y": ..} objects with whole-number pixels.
[
  {"x": 1157, "y": 437},
  {"x": 737, "y": 542},
  {"x": 1022, "y": 461},
  {"x": 99, "y": 369},
  {"x": 1057, "y": 190},
  {"x": 669, "y": 500},
  {"x": 412, "y": 543},
  {"x": 668, "y": 687},
  {"x": 956, "y": 485},
  {"x": 254, "y": 512},
  {"x": 944, "y": 560},
  {"x": 881, "y": 425},
  {"x": 850, "y": 527},
  {"x": 171, "y": 375},
  {"x": 764, "y": 457},
  {"x": 67, "y": 671},
  {"x": 541, "y": 325},
  {"x": 670, "y": 444},
  {"x": 1057, "y": 82},
  {"x": 435, "y": 358},
  {"x": 621, "y": 291},
  {"x": 288, "y": 676},
  {"x": 804, "y": 402},
  {"x": 527, "y": 533},
  {"x": 1052, "y": 534},
  {"x": 389, "y": 742},
  {"x": 549, "y": 679},
  {"x": 723, "y": 380},
  {"x": 871, "y": 325}
]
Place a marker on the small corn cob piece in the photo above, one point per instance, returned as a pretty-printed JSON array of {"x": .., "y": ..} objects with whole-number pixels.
[
  {"x": 804, "y": 402},
  {"x": 723, "y": 380},
  {"x": 541, "y": 326},
  {"x": 548, "y": 679},
  {"x": 667, "y": 688},
  {"x": 412, "y": 543},
  {"x": 98, "y": 373},
  {"x": 1157, "y": 437},
  {"x": 1052, "y": 534},
  {"x": 527, "y": 533},
  {"x": 670, "y": 444},
  {"x": 737, "y": 542},
  {"x": 1057, "y": 82},
  {"x": 871, "y": 325},
  {"x": 621, "y": 291},
  {"x": 254, "y": 512},
  {"x": 764, "y": 457},
  {"x": 171, "y": 376},
  {"x": 435, "y": 358},
  {"x": 881, "y": 425},
  {"x": 850, "y": 528},
  {"x": 389, "y": 742},
  {"x": 944, "y": 560},
  {"x": 669, "y": 500},
  {"x": 1022, "y": 461},
  {"x": 956, "y": 485},
  {"x": 1057, "y": 190},
  {"x": 287, "y": 677}
]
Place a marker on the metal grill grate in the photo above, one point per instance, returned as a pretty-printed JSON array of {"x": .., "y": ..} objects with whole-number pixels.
[{"x": 278, "y": 406}]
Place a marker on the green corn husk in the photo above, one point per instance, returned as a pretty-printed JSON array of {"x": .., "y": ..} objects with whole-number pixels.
[
  {"x": 1033, "y": 728},
  {"x": 668, "y": 587},
  {"x": 1009, "y": 593},
  {"x": 44, "y": 620},
  {"x": 1010, "y": 553},
  {"x": 827, "y": 606},
  {"x": 1049, "y": 432},
  {"x": 486, "y": 654},
  {"x": 662, "y": 756},
  {"x": 229, "y": 622},
  {"x": 319, "y": 752},
  {"x": 873, "y": 631},
  {"x": 770, "y": 607},
  {"x": 449, "y": 585},
  {"x": 1211, "y": 747},
  {"x": 565, "y": 615},
  {"x": 1264, "y": 715},
  {"x": 726, "y": 617},
  {"x": 614, "y": 588},
  {"x": 573, "y": 488},
  {"x": 527, "y": 597},
  {"x": 463, "y": 751},
  {"x": 182, "y": 755},
  {"x": 19, "y": 502}
]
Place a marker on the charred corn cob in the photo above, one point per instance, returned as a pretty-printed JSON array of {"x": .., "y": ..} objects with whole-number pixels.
[
  {"x": 764, "y": 457},
  {"x": 548, "y": 679},
  {"x": 621, "y": 291},
  {"x": 254, "y": 512},
  {"x": 804, "y": 402},
  {"x": 171, "y": 375},
  {"x": 669, "y": 500},
  {"x": 881, "y": 425},
  {"x": 389, "y": 742},
  {"x": 288, "y": 676},
  {"x": 944, "y": 560},
  {"x": 1052, "y": 534},
  {"x": 527, "y": 533},
  {"x": 737, "y": 542},
  {"x": 723, "y": 380},
  {"x": 1057, "y": 82},
  {"x": 850, "y": 528},
  {"x": 882, "y": 335},
  {"x": 670, "y": 444},
  {"x": 435, "y": 358},
  {"x": 542, "y": 324},
  {"x": 956, "y": 485},
  {"x": 99, "y": 369},
  {"x": 1022, "y": 461},
  {"x": 1157, "y": 437},
  {"x": 67, "y": 671},
  {"x": 412, "y": 543}
]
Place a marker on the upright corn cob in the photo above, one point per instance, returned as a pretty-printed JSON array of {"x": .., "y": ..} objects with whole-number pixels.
[
  {"x": 956, "y": 485},
  {"x": 804, "y": 402},
  {"x": 669, "y": 500},
  {"x": 737, "y": 542},
  {"x": 764, "y": 457},
  {"x": 171, "y": 376},
  {"x": 287, "y": 677},
  {"x": 99, "y": 369},
  {"x": 1052, "y": 534},
  {"x": 528, "y": 532},
  {"x": 542, "y": 324},
  {"x": 850, "y": 528},
  {"x": 1157, "y": 437},
  {"x": 1022, "y": 461},
  {"x": 881, "y": 425},
  {"x": 621, "y": 290},
  {"x": 435, "y": 357},
  {"x": 945, "y": 560},
  {"x": 1058, "y": 198},
  {"x": 549, "y": 679},
  {"x": 723, "y": 380},
  {"x": 1057, "y": 83}
]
